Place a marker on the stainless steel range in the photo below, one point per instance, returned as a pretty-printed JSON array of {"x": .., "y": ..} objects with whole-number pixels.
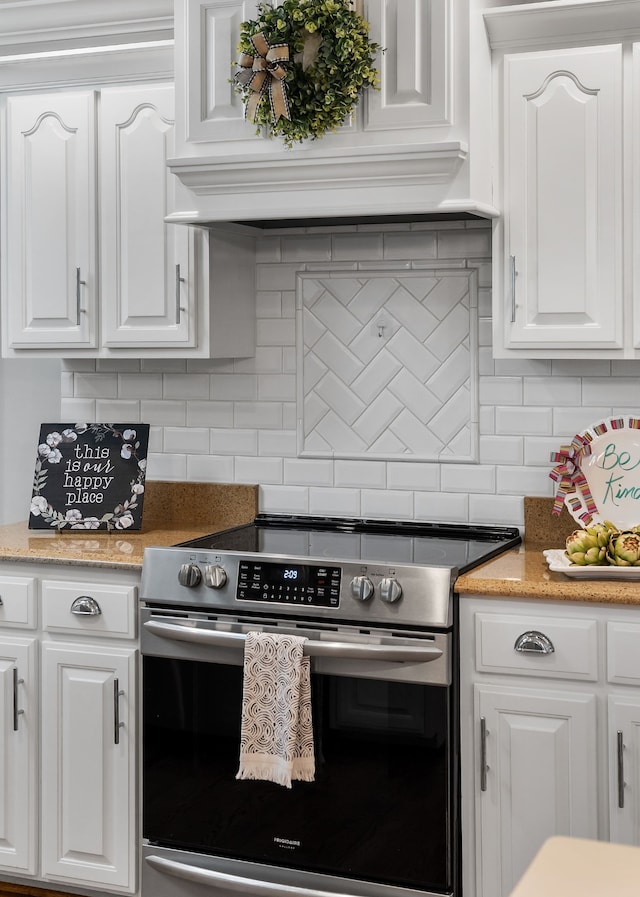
[{"x": 376, "y": 602}]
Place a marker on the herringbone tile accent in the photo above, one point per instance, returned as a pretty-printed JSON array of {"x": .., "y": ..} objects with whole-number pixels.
[{"x": 388, "y": 365}]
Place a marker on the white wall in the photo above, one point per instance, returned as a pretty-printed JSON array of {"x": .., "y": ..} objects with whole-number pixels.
[
  {"x": 235, "y": 421},
  {"x": 29, "y": 396}
]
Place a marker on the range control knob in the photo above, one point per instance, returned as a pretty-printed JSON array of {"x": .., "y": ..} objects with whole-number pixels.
[
  {"x": 189, "y": 575},
  {"x": 361, "y": 588},
  {"x": 215, "y": 576},
  {"x": 390, "y": 590}
]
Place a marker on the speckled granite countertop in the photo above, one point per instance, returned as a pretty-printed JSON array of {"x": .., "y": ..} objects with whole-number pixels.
[
  {"x": 173, "y": 513},
  {"x": 524, "y": 573}
]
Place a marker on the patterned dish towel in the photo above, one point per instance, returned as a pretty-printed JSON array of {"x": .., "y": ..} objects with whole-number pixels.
[{"x": 276, "y": 742}]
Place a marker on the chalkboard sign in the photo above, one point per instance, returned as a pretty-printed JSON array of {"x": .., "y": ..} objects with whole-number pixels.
[{"x": 89, "y": 476}]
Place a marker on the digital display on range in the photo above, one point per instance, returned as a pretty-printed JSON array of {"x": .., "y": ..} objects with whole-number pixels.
[{"x": 301, "y": 584}]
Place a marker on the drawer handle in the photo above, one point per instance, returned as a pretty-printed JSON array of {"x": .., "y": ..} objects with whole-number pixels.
[
  {"x": 86, "y": 606},
  {"x": 16, "y": 712},
  {"x": 533, "y": 642},
  {"x": 620, "y": 746},
  {"x": 483, "y": 753}
]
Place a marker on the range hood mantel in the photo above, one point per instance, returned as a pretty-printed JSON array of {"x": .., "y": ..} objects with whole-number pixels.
[{"x": 417, "y": 146}]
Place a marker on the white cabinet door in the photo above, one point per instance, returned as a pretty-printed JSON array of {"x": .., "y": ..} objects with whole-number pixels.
[
  {"x": 146, "y": 294},
  {"x": 624, "y": 768},
  {"x": 88, "y": 792},
  {"x": 560, "y": 266},
  {"x": 18, "y": 753},
  {"x": 537, "y": 777},
  {"x": 51, "y": 231}
]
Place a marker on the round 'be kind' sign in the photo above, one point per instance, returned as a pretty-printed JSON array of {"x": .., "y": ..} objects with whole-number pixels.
[{"x": 89, "y": 476}]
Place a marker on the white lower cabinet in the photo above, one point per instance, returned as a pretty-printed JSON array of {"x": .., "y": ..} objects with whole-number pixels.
[
  {"x": 68, "y": 782},
  {"x": 88, "y": 826},
  {"x": 537, "y": 770},
  {"x": 550, "y": 732},
  {"x": 18, "y": 753}
]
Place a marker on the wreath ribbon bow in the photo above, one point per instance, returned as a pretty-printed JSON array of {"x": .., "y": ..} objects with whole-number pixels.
[
  {"x": 568, "y": 474},
  {"x": 264, "y": 74}
]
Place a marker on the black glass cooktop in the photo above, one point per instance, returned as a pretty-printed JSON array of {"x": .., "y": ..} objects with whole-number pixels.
[{"x": 375, "y": 541}]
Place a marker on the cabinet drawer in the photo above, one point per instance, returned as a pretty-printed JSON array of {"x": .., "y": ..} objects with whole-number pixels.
[
  {"x": 102, "y": 610},
  {"x": 574, "y": 642},
  {"x": 18, "y": 602},
  {"x": 623, "y": 653}
]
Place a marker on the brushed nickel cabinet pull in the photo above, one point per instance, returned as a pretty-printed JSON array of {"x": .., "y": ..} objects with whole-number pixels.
[
  {"x": 16, "y": 712},
  {"x": 117, "y": 724},
  {"x": 620, "y": 771},
  {"x": 483, "y": 753},
  {"x": 514, "y": 274},
  {"x": 179, "y": 280},
  {"x": 533, "y": 642},
  {"x": 79, "y": 308},
  {"x": 86, "y": 606}
]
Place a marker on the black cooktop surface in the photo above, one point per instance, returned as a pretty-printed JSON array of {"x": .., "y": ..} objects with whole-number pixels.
[{"x": 375, "y": 541}]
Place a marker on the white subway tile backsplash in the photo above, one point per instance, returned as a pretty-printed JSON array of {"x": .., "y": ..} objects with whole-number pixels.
[
  {"x": 506, "y": 510},
  {"x": 209, "y": 414},
  {"x": 569, "y": 421},
  {"x": 210, "y": 468},
  {"x": 118, "y": 410},
  {"x": 387, "y": 503},
  {"x": 258, "y": 470},
  {"x": 277, "y": 443},
  {"x": 410, "y": 245},
  {"x": 234, "y": 441},
  {"x": 413, "y": 476},
  {"x": 308, "y": 472},
  {"x": 284, "y": 499},
  {"x": 277, "y": 388},
  {"x": 236, "y": 420},
  {"x": 624, "y": 393},
  {"x": 168, "y": 414},
  {"x": 356, "y": 247},
  {"x": 95, "y": 386},
  {"x": 77, "y": 410},
  {"x": 185, "y": 386},
  {"x": 501, "y": 449},
  {"x": 166, "y": 467},
  {"x": 556, "y": 390},
  {"x": 361, "y": 474},
  {"x": 523, "y": 421},
  {"x": 524, "y": 481},
  {"x": 275, "y": 333},
  {"x": 139, "y": 386},
  {"x": 265, "y": 415},
  {"x": 442, "y": 506},
  {"x": 229, "y": 387},
  {"x": 335, "y": 502},
  {"x": 186, "y": 440},
  {"x": 468, "y": 478}
]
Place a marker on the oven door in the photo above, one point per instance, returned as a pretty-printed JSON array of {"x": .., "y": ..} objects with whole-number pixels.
[{"x": 380, "y": 817}]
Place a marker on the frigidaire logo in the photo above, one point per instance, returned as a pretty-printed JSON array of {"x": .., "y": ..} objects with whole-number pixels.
[{"x": 287, "y": 843}]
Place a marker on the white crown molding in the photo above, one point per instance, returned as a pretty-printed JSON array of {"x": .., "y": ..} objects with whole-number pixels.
[
  {"x": 557, "y": 23},
  {"x": 35, "y": 25}
]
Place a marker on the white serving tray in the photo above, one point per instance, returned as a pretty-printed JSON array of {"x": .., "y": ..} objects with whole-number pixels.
[{"x": 558, "y": 563}]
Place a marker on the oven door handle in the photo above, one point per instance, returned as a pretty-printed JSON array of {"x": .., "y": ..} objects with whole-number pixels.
[
  {"x": 250, "y": 887},
  {"x": 350, "y": 650}
]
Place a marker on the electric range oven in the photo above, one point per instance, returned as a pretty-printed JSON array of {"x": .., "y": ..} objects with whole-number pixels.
[{"x": 375, "y": 601}]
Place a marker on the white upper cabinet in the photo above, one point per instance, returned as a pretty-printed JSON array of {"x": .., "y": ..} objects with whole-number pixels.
[
  {"x": 50, "y": 230},
  {"x": 565, "y": 280},
  {"x": 144, "y": 262},
  {"x": 405, "y": 149},
  {"x": 91, "y": 267},
  {"x": 563, "y": 198}
]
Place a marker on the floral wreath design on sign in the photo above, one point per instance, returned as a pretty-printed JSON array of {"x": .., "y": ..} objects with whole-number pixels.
[
  {"x": 303, "y": 66},
  {"x": 598, "y": 480},
  {"x": 49, "y": 453}
]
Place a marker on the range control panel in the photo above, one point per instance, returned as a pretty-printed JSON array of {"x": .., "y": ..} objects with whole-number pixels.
[{"x": 293, "y": 584}]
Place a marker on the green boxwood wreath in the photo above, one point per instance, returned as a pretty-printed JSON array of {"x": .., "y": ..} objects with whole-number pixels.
[{"x": 324, "y": 94}]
